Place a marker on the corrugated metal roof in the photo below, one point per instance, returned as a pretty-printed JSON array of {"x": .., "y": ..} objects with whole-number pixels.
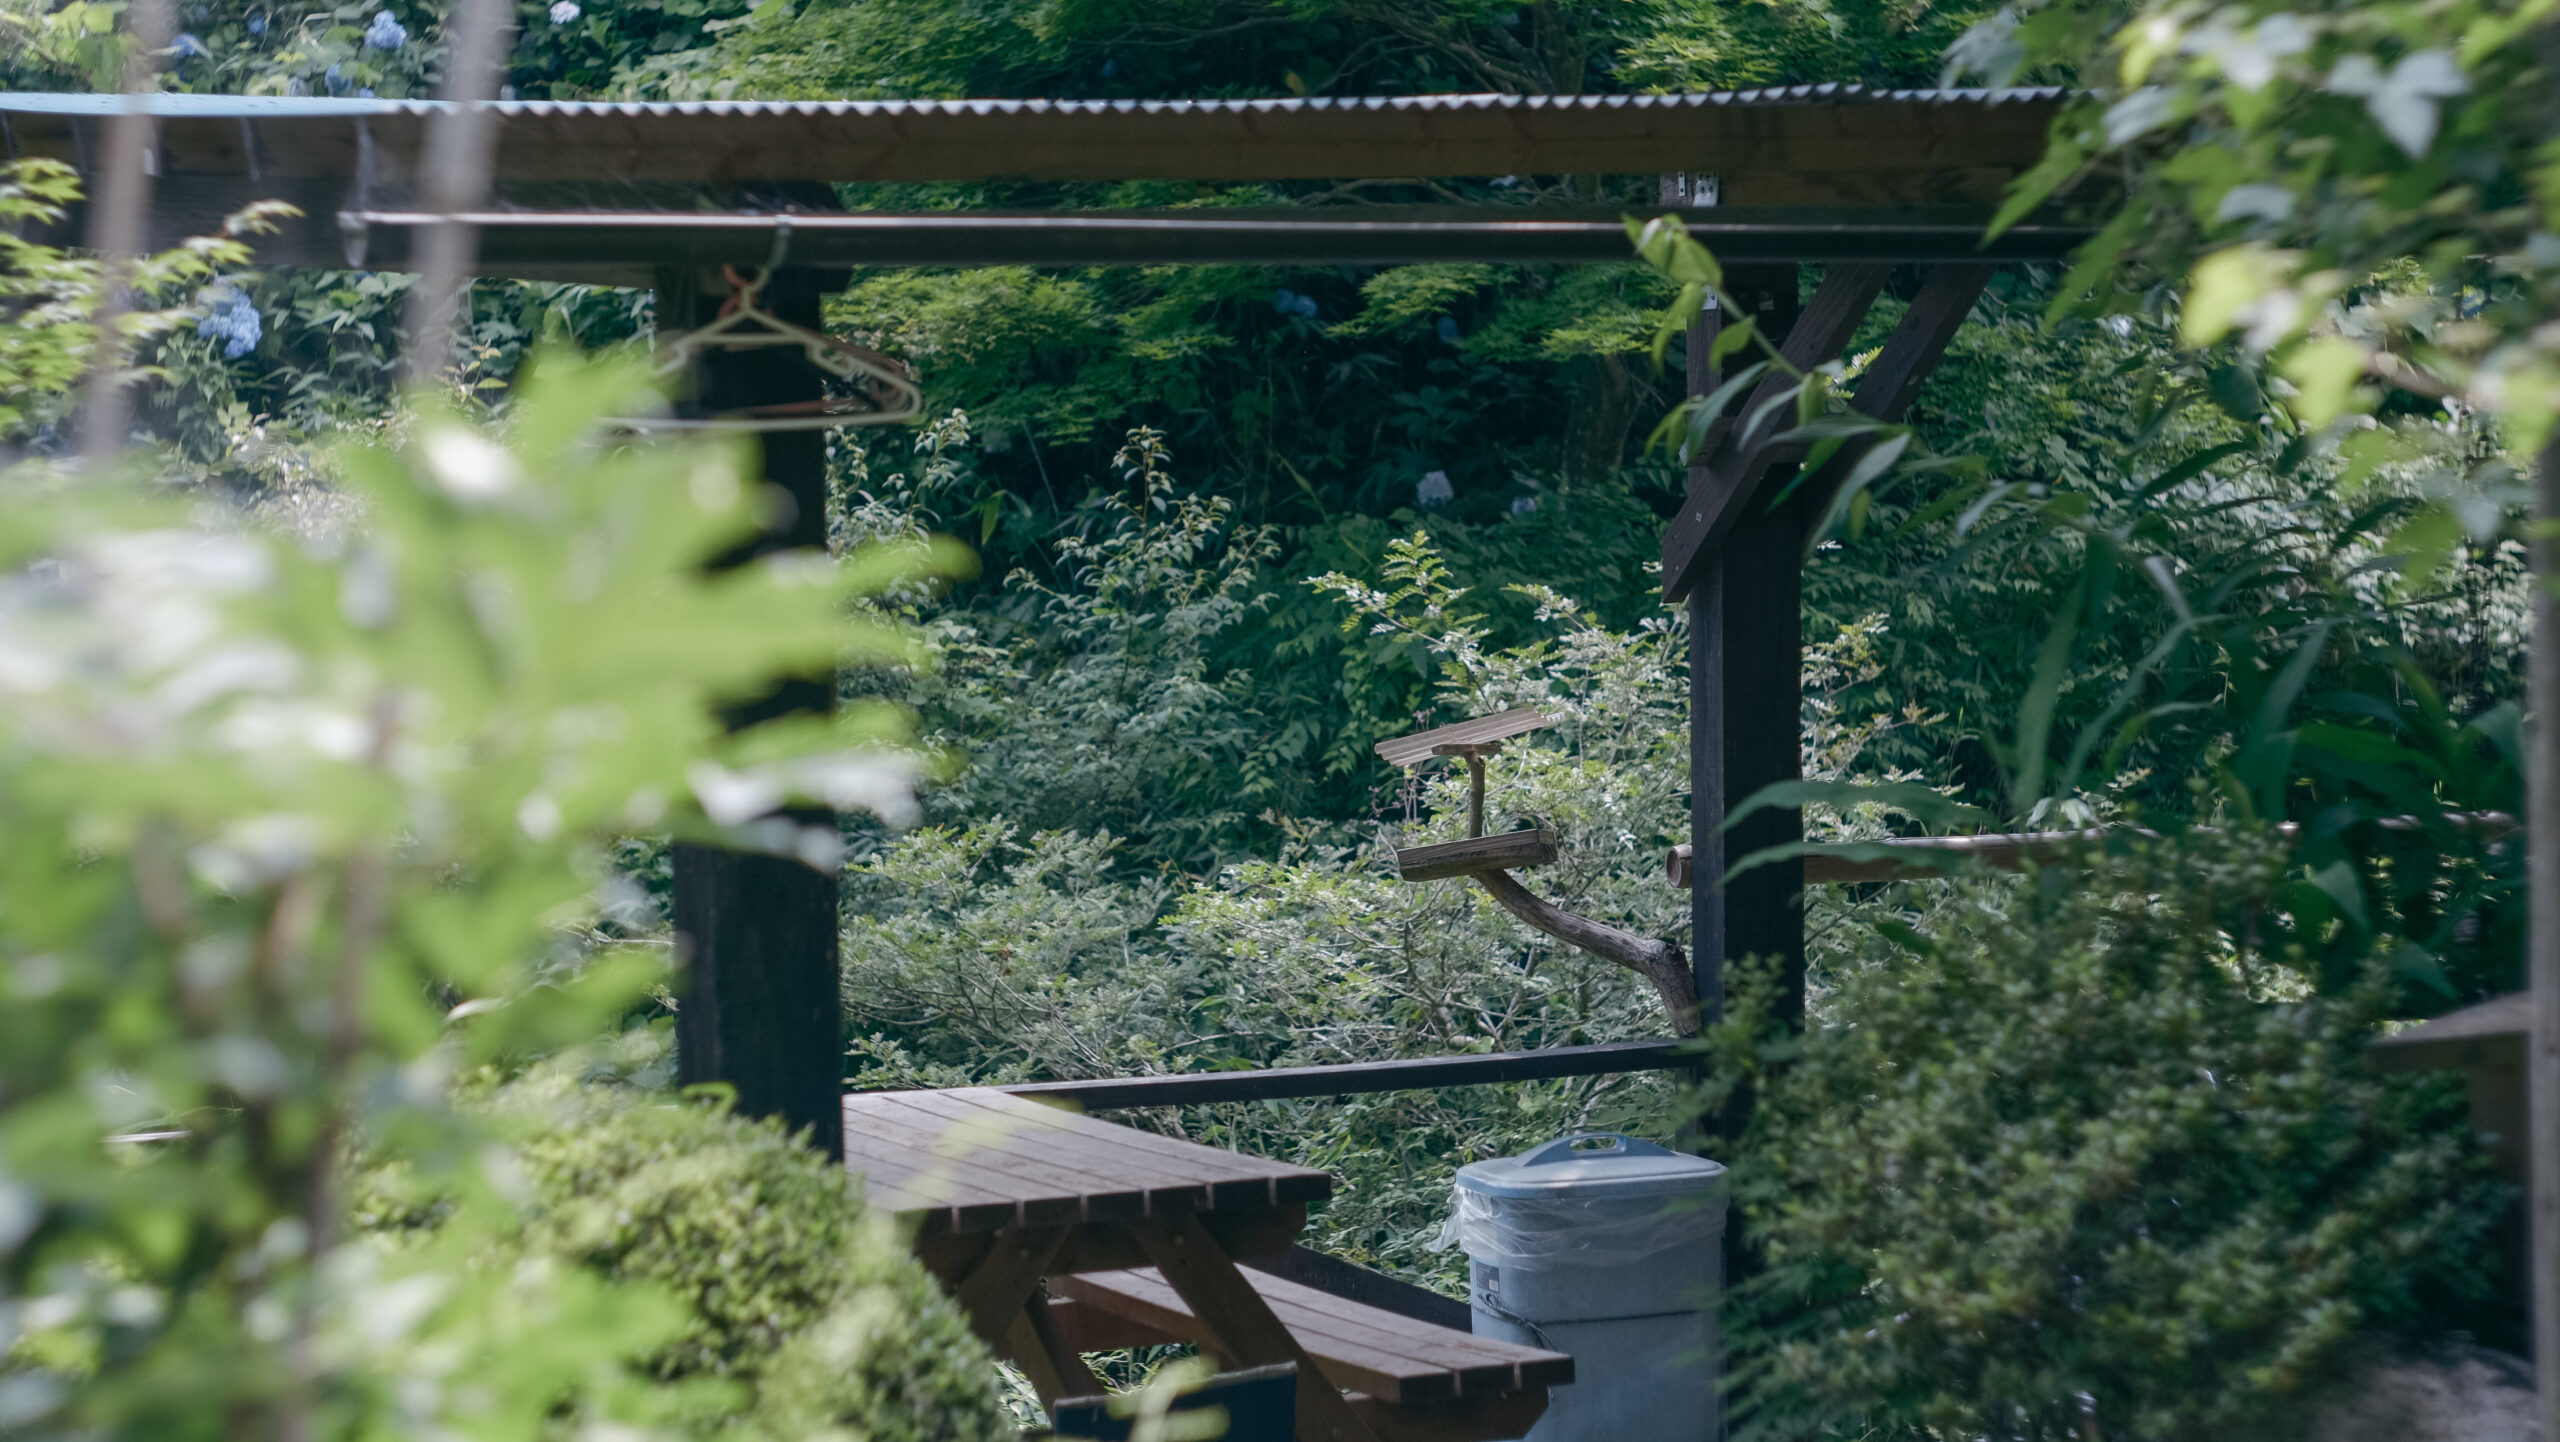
[{"x": 256, "y": 107}]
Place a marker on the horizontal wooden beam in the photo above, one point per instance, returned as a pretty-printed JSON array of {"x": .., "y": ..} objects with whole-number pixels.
[{"x": 1186, "y": 1089}]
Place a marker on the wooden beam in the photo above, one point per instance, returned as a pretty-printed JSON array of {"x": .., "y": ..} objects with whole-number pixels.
[
  {"x": 1731, "y": 463},
  {"x": 760, "y": 1005}
]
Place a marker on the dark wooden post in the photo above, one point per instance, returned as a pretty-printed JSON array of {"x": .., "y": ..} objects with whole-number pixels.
[
  {"x": 1746, "y": 662},
  {"x": 759, "y": 1006}
]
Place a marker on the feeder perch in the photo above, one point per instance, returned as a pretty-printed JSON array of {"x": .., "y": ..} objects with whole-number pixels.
[{"x": 1488, "y": 860}]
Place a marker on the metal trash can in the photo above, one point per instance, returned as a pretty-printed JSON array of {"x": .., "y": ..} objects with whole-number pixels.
[{"x": 1610, "y": 1249}]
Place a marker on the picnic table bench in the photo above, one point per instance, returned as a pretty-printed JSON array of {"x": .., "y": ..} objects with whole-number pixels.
[{"x": 1138, "y": 1236}]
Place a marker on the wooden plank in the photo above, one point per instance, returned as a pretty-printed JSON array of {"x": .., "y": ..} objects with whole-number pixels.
[
  {"x": 1238, "y": 1323},
  {"x": 1362, "y": 1348},
  {"x": 1468, "y": 855},
  {"x": 1035, "y": 1163},
  {"x": 1354, "y": 1283},
  {"x": 1183, "y": 1089},
  {"x": 1232, "y": 1178},
  {"x": 1421, "y": 746},
  {"x": 994, "y": 1293},
  {"x": 1734, "y": 459},
  {"x": 905, "y": 1156}
]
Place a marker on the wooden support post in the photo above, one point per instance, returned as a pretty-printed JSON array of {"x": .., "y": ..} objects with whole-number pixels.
[
  {"x": 1746, "y": 619},
  {"x": 760, "y": 1005}
]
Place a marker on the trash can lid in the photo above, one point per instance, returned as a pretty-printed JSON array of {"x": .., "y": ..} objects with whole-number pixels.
[{"x": 1591, "y": 1164}]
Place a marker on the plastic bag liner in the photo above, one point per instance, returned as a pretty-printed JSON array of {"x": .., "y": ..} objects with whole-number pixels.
[{"x": 1581, "y": 1231}]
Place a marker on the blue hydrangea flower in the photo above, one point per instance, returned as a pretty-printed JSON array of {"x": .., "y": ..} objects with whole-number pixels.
[
  {"x": 188, "y": 47},
  {"x": 386, "y": 32},
  {"x": 1448, "y": 329},
  {"x": 1433, "y": 490},
  {"x": 1111, "y": 69},
  {"x": 366, "y": 94},
  {"x": 336, "y": 82},
  {"x": 1284, "y": 301},
  {"x": 1523, "y": 505},
  {"x": 231, "y": 318},
  {"x": 257, "y": 24},
  {"x": 564, "y": 12}
]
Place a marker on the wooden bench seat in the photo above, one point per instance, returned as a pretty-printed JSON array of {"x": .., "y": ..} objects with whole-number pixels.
[{"x": 1412, "y": 1381}]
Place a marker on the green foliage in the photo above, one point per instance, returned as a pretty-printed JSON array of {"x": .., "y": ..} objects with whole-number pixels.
[
  {"x": 2071, "y": 1160},
  {"x": 810, "y": 1309},
  {"x": 299, "y": 821}
]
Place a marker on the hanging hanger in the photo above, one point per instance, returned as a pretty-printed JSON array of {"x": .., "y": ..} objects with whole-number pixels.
[{"x": 883, "y": 391}]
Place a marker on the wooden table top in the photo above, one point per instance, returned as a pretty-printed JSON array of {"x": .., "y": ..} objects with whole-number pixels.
[{"x": 978, "y": 1160}]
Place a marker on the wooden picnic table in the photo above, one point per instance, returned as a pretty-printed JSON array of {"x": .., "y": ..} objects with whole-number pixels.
[{"x": 1004, "y": 1193}]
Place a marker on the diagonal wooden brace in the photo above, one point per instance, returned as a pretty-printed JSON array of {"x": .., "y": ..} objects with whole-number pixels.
[
  {"x": 1241, "y": 1324},
  {"x": 1735, "y": 456},
  {"x": 1893, "y": 380}
]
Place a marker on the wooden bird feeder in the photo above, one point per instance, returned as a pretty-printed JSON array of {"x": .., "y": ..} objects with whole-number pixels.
[{"x": 1488, "y": 860}]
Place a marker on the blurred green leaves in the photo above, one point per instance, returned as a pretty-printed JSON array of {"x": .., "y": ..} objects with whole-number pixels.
[{"x": 297, "y": 822}]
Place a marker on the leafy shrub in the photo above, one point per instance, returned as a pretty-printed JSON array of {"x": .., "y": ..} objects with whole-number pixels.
[
  {"x": 806, "y": 1307},
  {"x": 2079, "y": 1161}
]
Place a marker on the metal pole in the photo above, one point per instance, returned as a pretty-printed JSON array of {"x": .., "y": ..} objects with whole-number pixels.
[
  {"x": 455, "y": 180},
  {"x": 119, "y": 215},
  {"x": 2542, "y": 950}
]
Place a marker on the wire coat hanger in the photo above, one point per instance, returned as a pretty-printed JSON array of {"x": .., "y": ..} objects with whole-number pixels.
[{"x": 884, "y": 392}]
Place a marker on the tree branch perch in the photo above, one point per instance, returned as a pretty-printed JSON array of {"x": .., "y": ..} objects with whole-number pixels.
[{"x": 1661, "y": 963}]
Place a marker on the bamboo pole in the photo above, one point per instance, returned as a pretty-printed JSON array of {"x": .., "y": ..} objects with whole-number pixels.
[
  {"x": 460, "y": 152},
  {"x": 119, "y": 229}
]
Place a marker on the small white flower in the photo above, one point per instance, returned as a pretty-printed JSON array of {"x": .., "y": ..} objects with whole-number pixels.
[
  {"x": 564, "y": 11},
  {"x": 467, "y": 465}
]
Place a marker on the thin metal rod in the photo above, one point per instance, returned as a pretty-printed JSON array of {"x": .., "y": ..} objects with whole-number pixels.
[
  {"x": 461, "y": 148},
  {"x": 2542, "y": 948},
  {"x": 119, "y": 219}
]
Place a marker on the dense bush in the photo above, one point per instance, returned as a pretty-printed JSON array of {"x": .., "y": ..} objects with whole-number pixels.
[
  {"x": 2079, "y": 1160},
  {"x": 801, "y": 1314}
]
